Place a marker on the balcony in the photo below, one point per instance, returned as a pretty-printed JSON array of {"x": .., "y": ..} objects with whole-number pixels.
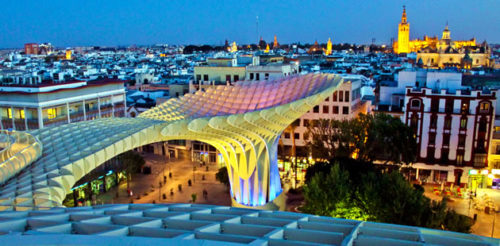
[
  {"x": 480, "y": 160},
  {"x": 448, "y": 110},
  {"x": 62, "y": 119}
]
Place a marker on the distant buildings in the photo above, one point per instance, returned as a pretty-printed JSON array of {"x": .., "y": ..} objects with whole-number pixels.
[
  {"x": 435, "y": 53},
  {"x": 38, "y": 49}
]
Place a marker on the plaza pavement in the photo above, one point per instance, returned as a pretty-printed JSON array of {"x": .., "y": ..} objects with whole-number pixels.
[
  {"x": 147, "y": 185},
  {"x": 484, "y": 223}
]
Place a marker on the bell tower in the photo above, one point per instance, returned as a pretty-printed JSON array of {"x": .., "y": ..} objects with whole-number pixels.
[{"x": 403, "y": 34}]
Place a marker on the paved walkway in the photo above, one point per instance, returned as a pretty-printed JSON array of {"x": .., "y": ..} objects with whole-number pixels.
[
  {"x": 484, "y": 223},
  {"x": 145, "y": 187}
]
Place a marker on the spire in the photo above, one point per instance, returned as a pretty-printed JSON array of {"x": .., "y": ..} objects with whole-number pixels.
[
  {"x": 275, "y": 44},
  {"x": 267, "y": 49},
  {"x": 403, "y": 18},
  {"x": 446, "y": 32},
  {"x": 328, "y": 50}
]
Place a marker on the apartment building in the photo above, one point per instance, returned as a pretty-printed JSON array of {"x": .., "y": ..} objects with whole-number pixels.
[
  {"x": 453, "y": 125},
  {"x": 345, "y": 103}
]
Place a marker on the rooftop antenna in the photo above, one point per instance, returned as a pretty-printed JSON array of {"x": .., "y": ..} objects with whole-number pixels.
[{"x": 257, "y": 25}]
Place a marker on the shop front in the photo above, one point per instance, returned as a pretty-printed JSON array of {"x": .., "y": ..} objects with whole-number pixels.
[
  {"x": 83, "y": 194},
  {"x": 477, "y": 179}
]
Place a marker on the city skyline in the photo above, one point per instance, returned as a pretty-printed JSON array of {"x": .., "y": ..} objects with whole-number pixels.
[{"x": 112, "y": 24}]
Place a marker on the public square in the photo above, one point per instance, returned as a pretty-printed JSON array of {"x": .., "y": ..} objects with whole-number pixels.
[{"x": 145, "y": 187}]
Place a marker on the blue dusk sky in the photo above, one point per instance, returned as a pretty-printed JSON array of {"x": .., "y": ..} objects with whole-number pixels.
[{"x": 67, "y": 23}]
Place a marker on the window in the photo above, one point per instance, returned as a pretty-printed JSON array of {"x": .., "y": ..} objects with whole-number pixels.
[
  {"x": 266, "y": 76},
  {"x": 251, "y": 76},
  {"x": 341, "y": 96},
  {"x": 296, "y": 135},
  {"x": 316, "y": 109},
  {"x": 433, "y": 123},
  {"x": 447, "y": 122},
  {"x": 415, "y": 104},
  {"x": 205, "y": 77},
  {"x": 444, "y": 155},
  {"x": 345, "y": 110},
  {"x": 449, "y": 106},
  {"x": 236, "y": 78},
  {"x": 432, "y": 138},
  {"x": 484, "y": 107},
  {"x": 435, "y": 105},
  {"x": 334, "y": 99},
  {"x": 21, "y": 113},
  {"x": 481, "y": 145},
  {"x": 430, "y": 153},
  {"x": 414, "y": 122},
  {"x": 463, "y": 123},
  {"x": 460, "y": 159},
  {"x": 446, "y": 139},
  {"x": 287, "y": 135},
  {"x": 9, "y": 113},
  {"x": 346, "y": 96},
  {"x": 51, "y": 113},
  {"x": 327, "y": 99},
  {"x": 335, "y": 110},
  {"x": 482, "y": 124},
  {"x": 461, "y": 140},
  {"x": 325, "y": 109},
  {"x": 257, "y": 76},
  {"x": 198, "y": 77},
  {"x": 305, "y": 123}
]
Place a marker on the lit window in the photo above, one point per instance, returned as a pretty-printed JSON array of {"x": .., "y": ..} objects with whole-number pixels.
[
  {"x": 9, "y": 113},
  {"x": 21, "y": 113},
  {"x": 484, "y": 107},
  {"x": 51, "y": 113},
  {"x": 463, "y": 123}
]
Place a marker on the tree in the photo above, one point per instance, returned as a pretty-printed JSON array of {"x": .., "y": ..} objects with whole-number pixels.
[
  {"x": 132, "y": 162},
  {"x": 354, "y": 189},
  {"x": 365, "y": 138},
  {"x": 336, "y": 199},
  {"x": 193, "y": 197},
  {"x": 222, "y": 176}
]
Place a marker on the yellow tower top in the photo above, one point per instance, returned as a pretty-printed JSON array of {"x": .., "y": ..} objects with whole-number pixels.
[
  {"x": 403, "y": 43},
  {"x": 328, "y": 50},
  {"x": 267, "y": 49},
  {"x": 446, "y": 33},
  {"x": 234, "y": 48},
  {"x": 275, "y": 44},
  {"x": 68, "y": 55},
  {"x": 403, "y": 17}
]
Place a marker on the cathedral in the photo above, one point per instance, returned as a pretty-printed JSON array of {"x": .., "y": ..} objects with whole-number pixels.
[{"x": 435, "y": 53}]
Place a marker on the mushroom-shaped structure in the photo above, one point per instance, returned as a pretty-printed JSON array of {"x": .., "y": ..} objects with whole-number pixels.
[{"x": 243, "y": 122}]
